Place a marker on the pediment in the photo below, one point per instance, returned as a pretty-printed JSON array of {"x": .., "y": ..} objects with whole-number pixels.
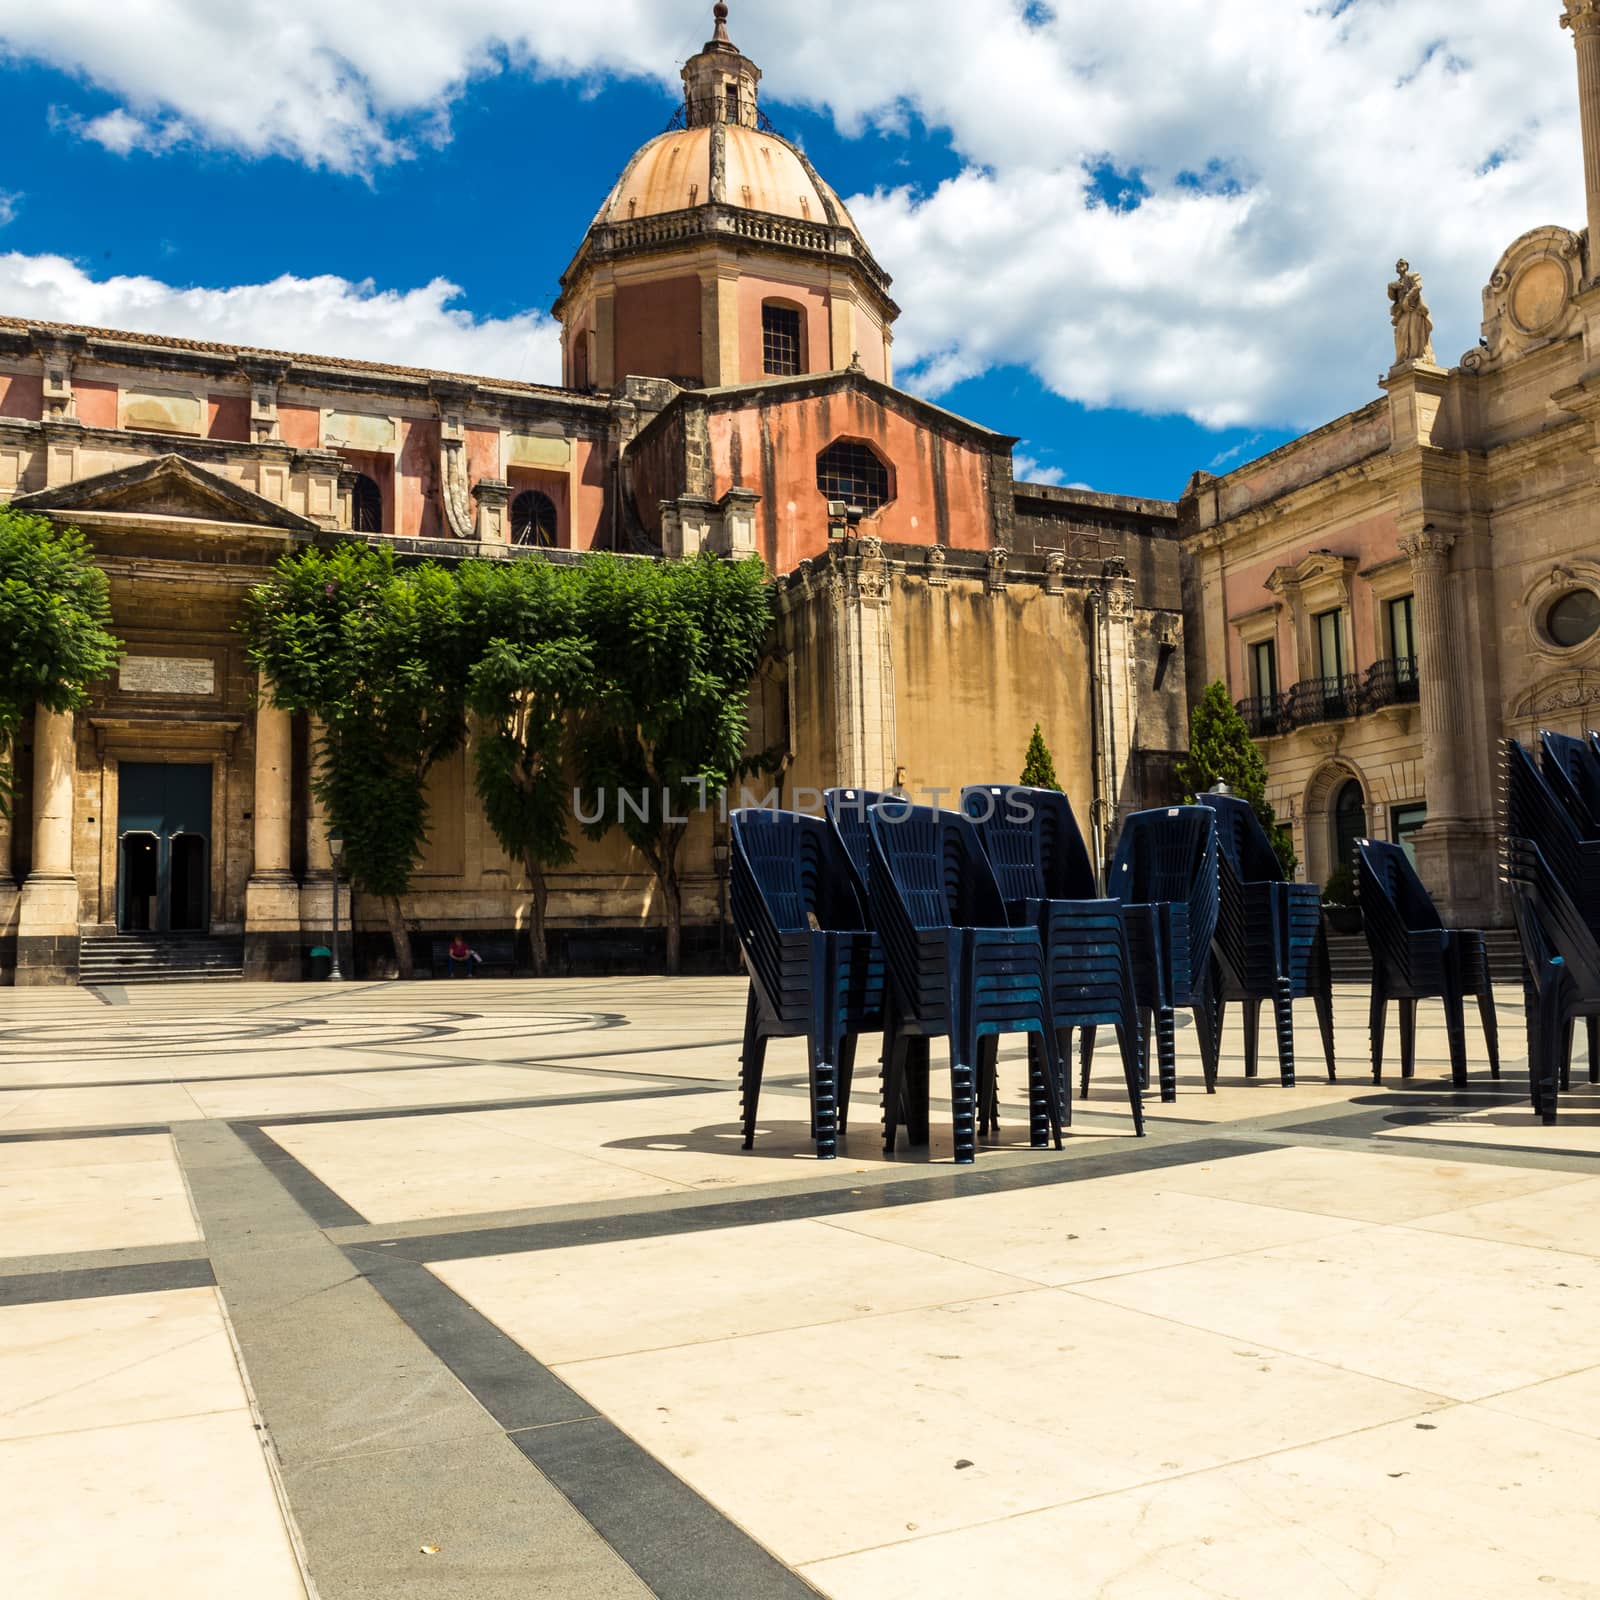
[{"x": 168, "y": 486}]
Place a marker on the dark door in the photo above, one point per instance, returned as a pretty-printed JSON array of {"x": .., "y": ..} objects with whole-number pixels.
[{"x": 164, "y": 854}]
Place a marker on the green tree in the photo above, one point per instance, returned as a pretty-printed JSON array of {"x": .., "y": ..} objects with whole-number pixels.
[
  {"x": 1038, "y": 770},
  {"x": 675, "y": 647},
  {"x": 55, "y": 638},
  {"x": 379, "y": 656},
  {"x": 533, "y": 679},
  {"x": 1222, "y": 751}
]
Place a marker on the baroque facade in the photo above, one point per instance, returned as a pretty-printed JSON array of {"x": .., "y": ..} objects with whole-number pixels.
[
  {"x": 727, "y": 387},
  {"x": 1394, "y": 593}
]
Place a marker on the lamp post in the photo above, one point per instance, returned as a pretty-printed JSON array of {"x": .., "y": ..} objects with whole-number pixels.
[{"x": 335, "y": 851}]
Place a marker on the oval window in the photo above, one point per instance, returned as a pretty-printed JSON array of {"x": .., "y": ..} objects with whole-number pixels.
[{"x": 1574, "y": 618}]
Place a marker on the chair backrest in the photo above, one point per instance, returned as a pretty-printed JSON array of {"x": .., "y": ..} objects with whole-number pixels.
[
  {"x": 1390, "y": 889},
  {"x": 933, "y": 867},
  {"x": 846, "y": 810},
  {"x": 1572, "y": 769},
  {"x": 1242, "y": 841},
  {"x": 1032, "y": 841},
  {"x": 797, "y": 868},
  {"x": 1161, "y": 854},
  {"x": 1548, "y": 921}
]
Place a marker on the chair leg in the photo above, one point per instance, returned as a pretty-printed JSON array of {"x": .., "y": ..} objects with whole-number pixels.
[
  {"x": 847, "y": 1074},
  {"x": 1044, "y": 1104},
  {"x": 1455, "y": 1026},
  {"x": 1088, "y": 1062},
  {"x": 1251, "y": 1011},
  {"x": 825, "y": 1095},
  {"x": 896, "y": 1049},
  {"x": 1147, "y": 1043},
  {"x": 1128, "y": 1041},
  {"x": 1283, "y": 1014},
  {"x": 1491, "y": 1022},
  {"x": 1064, "y": 1076},
  {"x": 1322, "y": 995},
  {"x": 916, "y": 1091},
  {"x": 1553, "y": 1030},
  {"x": 752, "y": 1060},
  {"x": 988, "y": 1073},
  {"x": 1594, "y": 1050},
  {"x": 963, "y": 1096},
  {"x": 1209, "y": 1015},
  {"x": 1408, "y": 1038},
  {"x": 1379, "y": 1017},
  {"x": 1566, "y": 1057},
  {"x": 1166, "y": 1056}
]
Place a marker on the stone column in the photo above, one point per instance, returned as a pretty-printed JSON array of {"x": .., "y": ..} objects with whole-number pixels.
[
  {"x": 272, "y": 898},
  {"x": 1583, "y": 18},
  {"x": 863, "y": 671},
  {"x": 1437, "y": 643},
  {"x": 47, "y": 927},
  {"x": 1457, "y": 850},
  {"x": 316, "y": 893},
  {"x": 1113, "y": 684},
  {"x": 8, "y": 902}
]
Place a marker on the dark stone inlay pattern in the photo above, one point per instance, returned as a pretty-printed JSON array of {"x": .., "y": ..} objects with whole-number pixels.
[
  {"x": 97, "y": 1283},
  {"x": 325, "y": 1206}
]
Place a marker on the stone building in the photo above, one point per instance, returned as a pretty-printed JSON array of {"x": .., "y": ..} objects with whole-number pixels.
[
  {"x": 1390, "y": 595},
  {"x": 727, "y": 356}
]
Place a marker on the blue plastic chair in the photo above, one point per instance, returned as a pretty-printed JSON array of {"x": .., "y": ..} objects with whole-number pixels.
[
  {"x": 957, "y": 969},
  {"x": 816, "y": 970},
  {"x": 1572, "y": 769},
  {"x": 1034, "y": 844},
  {"x": 1549, "y": 809},
  {"x": 1415, "y": 957},
  {"x": 1166, "y": 876},
  {"x": 1561, "y": 959},
  {"x": 1270, "y": 944}
]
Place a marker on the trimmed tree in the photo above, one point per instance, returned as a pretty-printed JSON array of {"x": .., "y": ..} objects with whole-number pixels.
[
  {"x": 534, "y": 678},
  {"x": 675, "y": 647},
  {"x": 1038, "y": 770},
  {"x": 1222, "y": 751},
  {"x": 378, "y": 655},
  {"x": 55, "y": 638}
]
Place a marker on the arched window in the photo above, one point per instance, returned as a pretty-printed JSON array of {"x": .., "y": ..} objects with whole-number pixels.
[
  {"x": 533, "y": 520},
  {"x": 782, "y": 340},
  {"x": 1349, "y": 822},
  {"x": 853, "y": 472},
  {"x": 366, "y": 505}
]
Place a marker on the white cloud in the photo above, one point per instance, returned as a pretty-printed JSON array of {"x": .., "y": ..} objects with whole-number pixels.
[
  {"x": 9, "y": 205},
  {"x": 422, "y": 327},
  {"x": 1026, "y": 469},
  {"x": 1275, "y": 156}
]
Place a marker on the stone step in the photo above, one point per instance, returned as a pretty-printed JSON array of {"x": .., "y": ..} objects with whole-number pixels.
[
  {"x": 159, "y": 958},
  {"x": 1351, "y": 961}
]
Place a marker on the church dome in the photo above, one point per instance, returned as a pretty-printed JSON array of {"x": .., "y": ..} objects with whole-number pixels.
[{"x": 760, "y": 172}]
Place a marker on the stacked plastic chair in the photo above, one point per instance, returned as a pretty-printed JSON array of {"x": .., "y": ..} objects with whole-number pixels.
[
  {"x": 1549, "y": 809},
  {"x": 1415, "y": 957},
  {"x": 1165, "y": 875},
  {"x": 957, "y": 969},
  {"x": 1572, "y": 769},
  {"x": 1562, "y": 962},
  {"x": 1036, "y": 849},
  {"x": 1270, "y": 945},
  {"x": 815, "y": 968}
]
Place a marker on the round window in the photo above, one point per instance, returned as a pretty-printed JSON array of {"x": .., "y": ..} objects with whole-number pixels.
[{"x": 1574, "y": 618}]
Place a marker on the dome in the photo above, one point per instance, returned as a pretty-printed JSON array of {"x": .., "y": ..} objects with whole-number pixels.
[{"x": 762, "y": 173}]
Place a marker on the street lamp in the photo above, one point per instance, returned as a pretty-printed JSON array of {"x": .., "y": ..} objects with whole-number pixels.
[{"x": 335, "y": 851}]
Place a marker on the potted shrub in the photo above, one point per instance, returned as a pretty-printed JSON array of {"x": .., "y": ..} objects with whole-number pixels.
[{"x": 1339, "y": 904}]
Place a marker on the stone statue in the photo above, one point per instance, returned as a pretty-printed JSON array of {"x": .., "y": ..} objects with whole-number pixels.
[{"x": 1413, "y": 323}]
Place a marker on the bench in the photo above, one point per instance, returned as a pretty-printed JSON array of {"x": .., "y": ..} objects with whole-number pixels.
[{"x": 498, "y": 955}]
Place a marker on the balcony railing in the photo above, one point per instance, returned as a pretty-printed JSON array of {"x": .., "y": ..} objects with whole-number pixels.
[{"x": 1386, "y": 683}]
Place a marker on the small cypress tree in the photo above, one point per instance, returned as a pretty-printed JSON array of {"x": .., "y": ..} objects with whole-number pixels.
[
  {"x": 1038, "y": 770},
  {"x": 1222, "y": 751}
]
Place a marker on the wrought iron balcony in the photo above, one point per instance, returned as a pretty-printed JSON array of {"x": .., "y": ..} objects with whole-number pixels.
[
  {"x": 1393, "y": 683},
  {"x": 1313, "y": 700}
]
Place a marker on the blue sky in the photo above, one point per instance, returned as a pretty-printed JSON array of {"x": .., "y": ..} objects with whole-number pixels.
[{"x": 1160, "y": 281}]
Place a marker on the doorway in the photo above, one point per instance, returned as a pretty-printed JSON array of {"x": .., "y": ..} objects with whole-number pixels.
[
  {"x": 1349, "y": 823},
  {"x": 163, "y": 848}
]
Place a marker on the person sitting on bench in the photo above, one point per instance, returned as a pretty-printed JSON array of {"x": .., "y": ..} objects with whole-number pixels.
[{"x": 463, "y": 958}]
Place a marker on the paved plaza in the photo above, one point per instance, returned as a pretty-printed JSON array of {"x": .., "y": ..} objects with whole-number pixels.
[{"x": 468, "y": 1290}]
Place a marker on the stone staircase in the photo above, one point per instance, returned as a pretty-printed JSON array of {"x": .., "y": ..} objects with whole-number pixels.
[
  {"x": 126, "y": 958},
  {"x": 1352, "y": 963}
]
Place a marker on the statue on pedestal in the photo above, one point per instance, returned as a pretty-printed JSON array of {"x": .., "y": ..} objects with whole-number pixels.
[{"x": 1413, "y": 323}]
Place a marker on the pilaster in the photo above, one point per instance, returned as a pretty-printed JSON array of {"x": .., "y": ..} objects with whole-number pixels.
[
  {"x": 47, "y": 924},
  {"x": 1582, "y": 17},
  {"x": 863, "y": 668},
  {"x": 272, "y": 897}
]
